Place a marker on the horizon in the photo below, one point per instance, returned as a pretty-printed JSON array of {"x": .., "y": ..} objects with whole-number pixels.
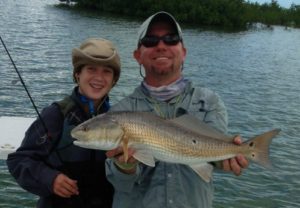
[{"x": 282, "y": 3}]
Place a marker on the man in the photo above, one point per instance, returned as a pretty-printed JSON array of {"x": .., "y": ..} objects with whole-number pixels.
[{"x": 165, "y": 92}]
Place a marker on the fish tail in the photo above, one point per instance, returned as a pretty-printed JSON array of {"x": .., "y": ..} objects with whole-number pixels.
[{"x": 259, "y": 148}]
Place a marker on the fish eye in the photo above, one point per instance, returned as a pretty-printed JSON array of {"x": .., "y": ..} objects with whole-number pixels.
[{"x": 84, "y": 128}]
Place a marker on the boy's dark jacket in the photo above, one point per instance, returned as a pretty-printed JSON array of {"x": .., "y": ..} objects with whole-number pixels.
[{"x": 42, "y": 156}]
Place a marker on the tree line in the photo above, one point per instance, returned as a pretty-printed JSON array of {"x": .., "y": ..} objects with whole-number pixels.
[{"x": 232, "y": 14}]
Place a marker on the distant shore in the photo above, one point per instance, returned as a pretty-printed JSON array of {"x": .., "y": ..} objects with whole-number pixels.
[{"x": 234, "y": 14}]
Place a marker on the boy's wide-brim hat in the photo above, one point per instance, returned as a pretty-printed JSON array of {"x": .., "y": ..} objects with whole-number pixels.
[{"x": 96, "y": 51}]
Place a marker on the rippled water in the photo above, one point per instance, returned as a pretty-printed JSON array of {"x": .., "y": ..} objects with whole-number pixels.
[{"x": 256, "y": 72}]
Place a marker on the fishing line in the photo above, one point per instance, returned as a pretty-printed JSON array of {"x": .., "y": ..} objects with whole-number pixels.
[{"x": 23, "y": 84}]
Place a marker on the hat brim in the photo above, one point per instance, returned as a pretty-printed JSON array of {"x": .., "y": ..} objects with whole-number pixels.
[{"x": 80, "y": 58}]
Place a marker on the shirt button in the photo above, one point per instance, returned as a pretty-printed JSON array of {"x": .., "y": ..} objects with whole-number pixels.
[{"x": 169, "y": 175}]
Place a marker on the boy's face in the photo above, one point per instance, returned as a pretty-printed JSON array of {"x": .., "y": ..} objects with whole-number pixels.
[{"x": 95, "y": 81}]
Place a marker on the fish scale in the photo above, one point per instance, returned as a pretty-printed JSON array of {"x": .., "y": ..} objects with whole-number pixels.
[
  {"x": 180, "y": 141},
  {"x": 154, "y": 138}
]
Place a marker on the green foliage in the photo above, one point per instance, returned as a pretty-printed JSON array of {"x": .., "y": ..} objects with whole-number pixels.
[{"x": 234, "y": 14}]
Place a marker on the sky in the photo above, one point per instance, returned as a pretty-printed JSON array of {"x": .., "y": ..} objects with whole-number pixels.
[{"x": 283, "y": 3}]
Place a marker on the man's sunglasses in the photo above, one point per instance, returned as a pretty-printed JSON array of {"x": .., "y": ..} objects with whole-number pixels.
[{"x": 152, "y": 41}]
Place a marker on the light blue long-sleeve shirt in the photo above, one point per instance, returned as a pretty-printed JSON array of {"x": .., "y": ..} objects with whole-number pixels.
[{"x": 167, "y": 184}]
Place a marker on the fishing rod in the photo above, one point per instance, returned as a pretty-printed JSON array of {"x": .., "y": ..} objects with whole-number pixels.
[{"x": 24, "y": 85}]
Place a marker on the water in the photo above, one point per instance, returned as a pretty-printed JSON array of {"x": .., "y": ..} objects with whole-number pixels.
[{"x": 256, "y": 72}]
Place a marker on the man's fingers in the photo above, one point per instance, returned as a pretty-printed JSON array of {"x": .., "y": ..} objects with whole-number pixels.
[
  {"x": 114, "y": 152},
  {"x": 237, "y": 163},
  {"x": 119, "y": 156},
  {"x": 242, "y": 161},
  {"x": 132, "y": 160},
  {"x": 235, "y": 167},
  {"x": 226, "y": 165},
  {"x": 237, "y": 140}
]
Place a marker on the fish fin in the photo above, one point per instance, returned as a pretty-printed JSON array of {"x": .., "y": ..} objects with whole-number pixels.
[
  {"x": 145, "y": 157},
  {"x": 194, "y": 124},
  {"x": 259, "y": 147},
  {"x": 125, "y": 147},
  {"x": 204, "y": 170}
]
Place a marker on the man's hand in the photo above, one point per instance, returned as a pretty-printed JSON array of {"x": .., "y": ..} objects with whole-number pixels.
[
  {"x": 128, "y": 166},
  {"x": 64, "y": 186},
  {"x": 236, "y": 164}
]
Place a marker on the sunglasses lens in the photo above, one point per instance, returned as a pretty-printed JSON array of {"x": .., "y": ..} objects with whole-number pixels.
[
  {"x": 152, "y": 41},
  {"x": 171, "y": 39},
  {"x": 149, "y": 41}
]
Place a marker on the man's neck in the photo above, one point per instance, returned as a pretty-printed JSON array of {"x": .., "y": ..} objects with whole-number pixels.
[{"x": 159, "y": 81}]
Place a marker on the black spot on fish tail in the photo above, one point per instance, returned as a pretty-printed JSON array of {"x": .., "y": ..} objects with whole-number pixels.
[
  {"x": 260, "y": 148},
  {"x": 251, "y": 144}
]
